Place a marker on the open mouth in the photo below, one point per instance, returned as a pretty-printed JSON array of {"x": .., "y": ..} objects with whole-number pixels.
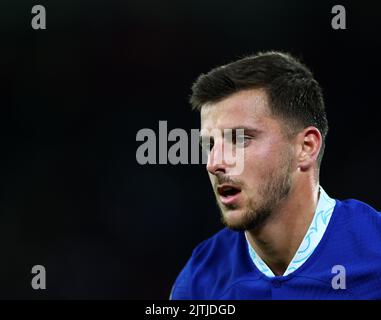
[{"x": 228, "y": 193}]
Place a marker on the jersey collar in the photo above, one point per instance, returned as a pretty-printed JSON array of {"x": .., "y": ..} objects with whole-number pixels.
[{"x": 310, "y": 241}]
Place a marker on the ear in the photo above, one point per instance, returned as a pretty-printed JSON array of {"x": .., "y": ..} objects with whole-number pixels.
[{"x": 309, "y": 144}]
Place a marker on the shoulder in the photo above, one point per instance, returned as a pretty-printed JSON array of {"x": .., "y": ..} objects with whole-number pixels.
[
  {"x": 216, "y": 245},
  {"x": 357, "y": 241},
  {"x": 211, "y": 260},
  {"x": 359, "y": 212},
  {"x": 358, "y": 225}
]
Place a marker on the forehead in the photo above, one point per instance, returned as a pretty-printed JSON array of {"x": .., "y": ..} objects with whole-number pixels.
[{"x": 245, "y": 108}]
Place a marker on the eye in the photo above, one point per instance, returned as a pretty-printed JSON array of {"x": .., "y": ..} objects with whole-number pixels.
[{"x": 242, "y": 140}]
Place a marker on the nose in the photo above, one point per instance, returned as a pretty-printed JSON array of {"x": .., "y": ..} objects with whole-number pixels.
[{"x": 215, "y": 164}]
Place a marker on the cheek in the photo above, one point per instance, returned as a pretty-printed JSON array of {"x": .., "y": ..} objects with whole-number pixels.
[
  {"x": 263, "y": 161},
  {"x": 261, "y": 157}
]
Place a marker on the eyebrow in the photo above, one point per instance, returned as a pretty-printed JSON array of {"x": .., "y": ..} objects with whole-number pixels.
[{"x": 247, "y": 130}]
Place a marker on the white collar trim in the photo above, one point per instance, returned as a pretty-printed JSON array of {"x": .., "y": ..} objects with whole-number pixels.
[{"x": 310, "y": 241}]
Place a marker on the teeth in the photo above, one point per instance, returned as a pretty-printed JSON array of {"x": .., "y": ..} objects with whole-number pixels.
[{"x": 228, "y": 191}]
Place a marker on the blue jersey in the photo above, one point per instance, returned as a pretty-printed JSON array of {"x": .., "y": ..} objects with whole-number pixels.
[{"x": 346, "y": 264}]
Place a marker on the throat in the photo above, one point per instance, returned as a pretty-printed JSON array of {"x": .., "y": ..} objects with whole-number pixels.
[
  {"x": 277, "y": 256},
  {"x": 278, "y": 241},
  {"x": 279, "y": 268}
]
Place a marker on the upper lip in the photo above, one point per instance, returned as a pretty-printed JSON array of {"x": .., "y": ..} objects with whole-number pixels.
[{"x": 222, "y": 188}]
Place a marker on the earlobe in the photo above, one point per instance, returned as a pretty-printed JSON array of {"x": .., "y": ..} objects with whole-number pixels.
[
  {"x": 311, "y": 141},
  {"x": 304, "y": 161}
]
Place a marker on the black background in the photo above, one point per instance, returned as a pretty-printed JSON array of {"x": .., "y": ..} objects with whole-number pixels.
[{"x": 73, "y": 96}]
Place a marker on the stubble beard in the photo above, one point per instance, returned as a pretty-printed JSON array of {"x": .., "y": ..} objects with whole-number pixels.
[{"x": 275, "y": 188}]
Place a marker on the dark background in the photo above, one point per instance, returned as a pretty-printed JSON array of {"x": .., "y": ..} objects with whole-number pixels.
[{"x": 73, "y": 97}]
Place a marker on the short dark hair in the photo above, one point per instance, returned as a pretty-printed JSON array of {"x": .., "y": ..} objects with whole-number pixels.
[{"x": 293, "y": 93}]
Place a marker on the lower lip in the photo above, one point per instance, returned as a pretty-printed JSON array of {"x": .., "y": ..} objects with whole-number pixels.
[{"x": 230, "y": 199}]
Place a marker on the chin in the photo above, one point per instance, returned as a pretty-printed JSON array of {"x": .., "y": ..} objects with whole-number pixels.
[
  {"x": 242, "y": 220},
  {"x": 234, "y": 219}
]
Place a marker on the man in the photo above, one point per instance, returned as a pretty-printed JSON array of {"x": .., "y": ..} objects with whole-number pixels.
[{"x": 285, "y": 238}]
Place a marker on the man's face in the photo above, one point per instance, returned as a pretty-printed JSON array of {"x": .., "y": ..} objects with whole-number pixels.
[{"x": 247, "y": 198}]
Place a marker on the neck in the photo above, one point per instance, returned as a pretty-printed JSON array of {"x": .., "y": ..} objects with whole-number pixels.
[{"x": 279, "y": 239}]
